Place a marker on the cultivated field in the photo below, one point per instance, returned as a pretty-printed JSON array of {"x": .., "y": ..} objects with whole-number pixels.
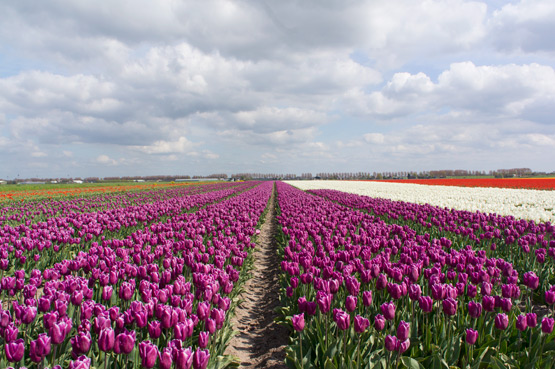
[{"x": 159, "y": 277}]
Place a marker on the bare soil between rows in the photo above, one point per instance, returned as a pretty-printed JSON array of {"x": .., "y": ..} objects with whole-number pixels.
[{"x": 261, "y": 342}]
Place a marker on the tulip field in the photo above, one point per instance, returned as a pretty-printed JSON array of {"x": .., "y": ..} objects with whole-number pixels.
[
  {"x": 141, "y": 280},
  {"x": 371, "y": 282},
  {"x": 151, "y": 278}
]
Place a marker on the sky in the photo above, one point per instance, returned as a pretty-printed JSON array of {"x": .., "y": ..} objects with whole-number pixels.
[{"x": 94, "y": 88}]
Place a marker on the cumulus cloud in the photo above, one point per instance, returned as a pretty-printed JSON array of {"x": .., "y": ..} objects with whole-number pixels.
[
  {"x": 245, "y": 79},
  {"x": 106, "y": 160},
  {"x": 505, "y": 90},
  {"x": 181, "y": 145},
  {"x": 525, "y": 26}
]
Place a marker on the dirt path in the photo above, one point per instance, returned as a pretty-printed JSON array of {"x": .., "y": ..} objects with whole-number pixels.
[{"x": 260, "y": 342}]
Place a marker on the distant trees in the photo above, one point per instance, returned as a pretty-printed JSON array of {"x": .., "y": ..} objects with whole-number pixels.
[
  {"x": 249, "y": 176},
  {"x": 498, "y": 173}
]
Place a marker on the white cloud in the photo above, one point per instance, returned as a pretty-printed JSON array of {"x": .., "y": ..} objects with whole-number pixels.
[
  {"x": 106, "y": 160},
  {"x": 525, "y": 26},
  {"x": 244, "y": 78},
  {"x": 374, "y": 138},
  {"x": 505, "y": 90},
  {"x": 181, "y": 145}
]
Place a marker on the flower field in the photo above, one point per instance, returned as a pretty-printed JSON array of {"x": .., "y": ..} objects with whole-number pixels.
[
  {"x": 59, "y": 191},
  {"x": 527, "y": 183},
  {"x": 137, "y": 281},
  {"x": 151, "y": 279},
  {"x": 370, "y": 282},
  {"x": 520, "y": 203}
]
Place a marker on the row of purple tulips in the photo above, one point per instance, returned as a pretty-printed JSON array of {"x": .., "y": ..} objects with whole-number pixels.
[
  {"x": 159, "y": 296},
  {"x": 362, "y": 292}
]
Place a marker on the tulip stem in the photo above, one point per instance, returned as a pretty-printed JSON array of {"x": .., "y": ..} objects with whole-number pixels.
[
  {"x": 301, "y": 347},
  {"x": 358, "y": 353},
  {"x": 53, "y": 355},
  {"x": 326, "y": 339},
  {"x": 543, "y": 343},
  {"x": 345, "y": 345},
  {"x": 530, "y": 339}
]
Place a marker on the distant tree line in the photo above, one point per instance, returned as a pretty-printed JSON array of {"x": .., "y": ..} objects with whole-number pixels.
[
  {"x": 444, "y": 173},
  {"x": 249, "y": 176}
]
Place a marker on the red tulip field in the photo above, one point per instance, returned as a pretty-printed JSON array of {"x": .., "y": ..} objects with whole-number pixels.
[{"x": 154, "y": 278}]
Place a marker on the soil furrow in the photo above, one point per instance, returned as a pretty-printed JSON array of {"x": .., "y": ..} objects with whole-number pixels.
[{"x": 261, "y": 342}]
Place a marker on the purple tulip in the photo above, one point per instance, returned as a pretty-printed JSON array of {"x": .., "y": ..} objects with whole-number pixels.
[
  {"x": 403, "y": 330},
  {"x": 106, "y": 339},
  {"x": 200, "y": 359},
  {"x": 58, "y": 332},
  {"x": 311, "y": 308},
  {"x": 10, "y": 333},
  {"x": 501, "y": 321},
  {"x": 125, "y": 342},
  {"x": 506, "y": 304},
  {"x": 183, "y": 358},
  {"x": 301, "y": 303},
  {"x": 391, "y": 343},
  {"x": 5, "y": 318},
  {"x": 381, "y": 282},
  {"x": 166, "y": 358},
  {"x": 34, "y": 353},
  {"x": 101, "y": 322},
  {"x": 426, "y": 303},
  {"x": 350, "y": 303},
  {"x": 154, "y": 329},
  {"x": 488, "y": 302},
  {"x": 471, "y": 336},
  {"x": 531, "y": 319},
  {"x": 521, "y": 324},
  {"x": 379, "y": 322},
  {"x": 474, "y": 309},
  {"x": 415, "y": 292},
  {"x": 367, "y": 298},
  {"x": 77, "y": 298},
  {"x": 61, "y": 307},
  {"x": 107, "y": 293},
  {"x": 180, "y": 331},
  {"x": 15, "y": 350},
  {"x": 531, "y": 280},
  {"x": 211, "y": 325},
  {"x": 28, "y": 315},
  {"x": 403, "y": 346},
  {"x": 203, "y": 310},
  {"x": 126, "y": 291},
  {"x": 438, "y": 292},
  {"x": 394, "y": 290},
  {"x": 148, "y": 353},
  {"x": 219, "y": 315},
  {"x": 550, "y": 297},
  {"x": 82, "y": 362},
  {"x": 342, "y": 319},
  {"x": 486, "y": 289},
  {"x": 388, "y": 310},
  {"x": 298, "y": 322},
  {"x": 547, "y": 325},
  {"x": 324, "y": 302},
  {"x": 449, "y": 306},
  {"x": 81, "y": 343},
  {"x": 203, "y": 339},
  {"x": 361, "y": 324}
]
